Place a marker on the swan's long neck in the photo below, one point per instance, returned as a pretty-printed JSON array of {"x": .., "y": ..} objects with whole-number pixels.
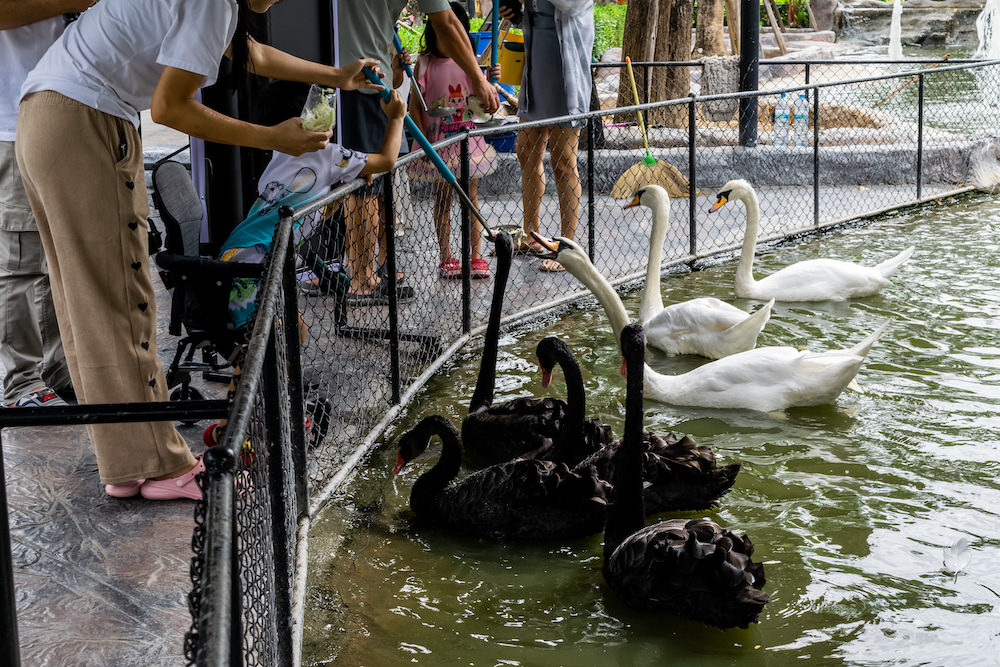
[
  {"x": 744, "y": 272},
  {"x": 606, "y": 295},
  {"x": 576, "y": 408},
  {"x": 652, "y": 302},
  {"x": 626, "y": 514},
  {"x": 432, "y": 482},
  {"x": 482, "y": 397}
]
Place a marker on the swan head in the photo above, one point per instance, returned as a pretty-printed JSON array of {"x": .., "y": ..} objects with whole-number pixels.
[
  {"x": 633, "y": 348},
  {"x": 735, "y": 189},
  {"x": 414, "y": 442},
  {"x": 504, "y": 244},
  {"x": 549, "y": 351},
  {"x": 650, "y": 196},
  {"x": 565, "y": 251}
]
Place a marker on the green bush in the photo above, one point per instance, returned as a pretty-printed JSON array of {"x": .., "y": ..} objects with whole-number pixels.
[{"x": 609, "y": 28}]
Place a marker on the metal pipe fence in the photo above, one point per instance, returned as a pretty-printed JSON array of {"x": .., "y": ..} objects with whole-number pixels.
[{"x": 341, "y": 343}]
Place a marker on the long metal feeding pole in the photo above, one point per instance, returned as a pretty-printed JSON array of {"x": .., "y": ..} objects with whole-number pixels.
[{"x": 434, "y": 157}]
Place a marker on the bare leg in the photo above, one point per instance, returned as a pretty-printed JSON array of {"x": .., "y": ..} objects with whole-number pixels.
[
  {"x": 530, "y": 149},
  {"x": 563, "y": 142},
  {"x": 360, "y": 211},
  {"x": 442, "y": 218}
]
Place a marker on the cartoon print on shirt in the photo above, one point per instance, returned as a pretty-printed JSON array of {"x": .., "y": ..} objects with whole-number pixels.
[{"x": 275, "y": 191}]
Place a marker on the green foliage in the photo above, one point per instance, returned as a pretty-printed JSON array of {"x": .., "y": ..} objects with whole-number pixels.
[{"x": 609, "y": 28}]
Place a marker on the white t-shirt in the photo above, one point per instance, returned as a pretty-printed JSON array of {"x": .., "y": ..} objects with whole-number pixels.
[
  {"x": 112, "y": 57},
  {"x": 20, "y": 49}
]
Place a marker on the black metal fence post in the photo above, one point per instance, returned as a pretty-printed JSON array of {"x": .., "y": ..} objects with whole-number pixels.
[
  {"x": 296, "y": 406},
  {"x": 815, "y": 156},
  {"x": 920, "y": 135},
  {"x": 749, "y": 62},
  {"x": 464, "y": 181},
  {"x": 692, "y": 179},
  {"x": 390, "y": 264},
  {"x": 10, "y": 648},
  {"x": 278, "y": 446},
  {"x": 591, "y": 214}
]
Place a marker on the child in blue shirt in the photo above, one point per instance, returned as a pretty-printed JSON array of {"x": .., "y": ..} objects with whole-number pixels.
[{"x": 296, "y": 180}]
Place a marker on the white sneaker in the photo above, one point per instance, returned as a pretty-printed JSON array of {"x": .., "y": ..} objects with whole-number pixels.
[{"x": 43, "y": 397}]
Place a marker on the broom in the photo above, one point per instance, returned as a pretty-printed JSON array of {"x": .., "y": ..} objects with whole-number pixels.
[{"x": 649, "y": 170}]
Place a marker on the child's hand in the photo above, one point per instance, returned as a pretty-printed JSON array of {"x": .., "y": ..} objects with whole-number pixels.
[
  {"x": 399, "y": 61},
  {"x": 395, "y": 107},
  {"x": 493, "y": 73}
]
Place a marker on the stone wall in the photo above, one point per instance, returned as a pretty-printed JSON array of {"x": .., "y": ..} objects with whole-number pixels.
[{"x": 924, "y": 22}]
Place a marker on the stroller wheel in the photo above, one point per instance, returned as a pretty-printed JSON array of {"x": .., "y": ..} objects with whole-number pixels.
[{"x": 186, "y": 393}]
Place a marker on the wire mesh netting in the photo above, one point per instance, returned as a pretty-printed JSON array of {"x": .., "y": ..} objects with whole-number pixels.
[{"x": 398, "y": 272}]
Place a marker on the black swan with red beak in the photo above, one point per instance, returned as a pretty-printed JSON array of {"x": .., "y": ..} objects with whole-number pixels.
[
  {"x": 677, "y": 474},
  {"x": 694, "y": 568},
  {"x": 519, "y": 499},
  {"x": 524, "y": 426}
]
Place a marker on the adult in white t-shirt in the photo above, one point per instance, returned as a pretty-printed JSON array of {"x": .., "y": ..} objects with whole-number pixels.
[
  {"x": 80, "y": 157},
  {"x": 30, "y": 349}
]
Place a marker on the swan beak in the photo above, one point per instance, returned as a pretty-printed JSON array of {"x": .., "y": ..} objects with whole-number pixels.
[
  {"x": 634, "y": 202},
  {"x": 551, "y": 246},
  {"x": 546, "y": 377},
  {"x": 399, "y": 463},
  {"x": 623, "y": 370},
  {"x": 719, "y": 203}
]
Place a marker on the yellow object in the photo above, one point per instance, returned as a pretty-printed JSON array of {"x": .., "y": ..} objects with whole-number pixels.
[
  {"x": 511, "y": 59},
  {"x": 649, "y": 170}
]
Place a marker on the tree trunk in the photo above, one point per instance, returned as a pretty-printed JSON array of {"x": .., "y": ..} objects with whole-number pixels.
[
  {"x": 674, "y": 28},
  {"x": 709, "y": 38},
  {"x": 638, "y": 45}
]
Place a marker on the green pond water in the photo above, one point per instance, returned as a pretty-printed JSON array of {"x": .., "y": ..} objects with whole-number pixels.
[{"x": 850, "y": 506}]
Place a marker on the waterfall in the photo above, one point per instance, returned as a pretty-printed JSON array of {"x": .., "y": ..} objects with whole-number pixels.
[
  {"x": 986, "y": 28},
  {"x": 895, "y": 30}
]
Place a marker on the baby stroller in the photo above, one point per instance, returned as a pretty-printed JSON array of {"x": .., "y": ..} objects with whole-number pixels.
[{"x": 200, "y": 290}]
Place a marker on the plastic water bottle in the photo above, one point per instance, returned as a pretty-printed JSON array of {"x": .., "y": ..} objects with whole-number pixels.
[
  {"x": 801, "y": 130},
  {"x": 782, "y": 110}
]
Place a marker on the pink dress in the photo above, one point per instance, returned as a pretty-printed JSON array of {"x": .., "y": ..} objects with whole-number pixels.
[{"x": 447, "y": 88}]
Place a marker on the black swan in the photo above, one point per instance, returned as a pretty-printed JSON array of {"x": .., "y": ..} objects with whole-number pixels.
[
  {"x": 577, "y": 436},
  {"x": 677, "y": 474},
  {"x": 694, "y": 568},
  {"x": 525, "y": 425},
  {"x": 519, "y": 499}
]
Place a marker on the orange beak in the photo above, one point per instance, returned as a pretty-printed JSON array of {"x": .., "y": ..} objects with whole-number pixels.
[
  {"x": 719, "y": 203},
  {"x": 634, "y": 202},
  {"x": 399, "y": 463}
]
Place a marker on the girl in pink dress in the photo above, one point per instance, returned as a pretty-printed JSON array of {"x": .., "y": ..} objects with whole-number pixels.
[{"x": 451, "y": 109}]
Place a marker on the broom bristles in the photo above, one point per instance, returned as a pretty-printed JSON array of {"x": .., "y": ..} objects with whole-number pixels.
[{"x": 659, "y": 173}]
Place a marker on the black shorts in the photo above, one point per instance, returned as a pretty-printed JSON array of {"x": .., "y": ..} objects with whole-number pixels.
[{"x": 362, "y": 128}]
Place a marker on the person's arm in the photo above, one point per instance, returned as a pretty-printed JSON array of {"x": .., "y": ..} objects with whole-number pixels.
[
  {"x": 17, "y": 13},
  {"x": 385, "y": 159},
  {"x": 174, "y": 106},
  {"x": 454, "y": 43},
  {"x": 415, "y": 108},
  {"x": 276, "y": 64}
]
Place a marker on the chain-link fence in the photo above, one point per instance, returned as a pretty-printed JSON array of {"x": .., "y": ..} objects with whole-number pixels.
[{"x": 398, "y": 276}]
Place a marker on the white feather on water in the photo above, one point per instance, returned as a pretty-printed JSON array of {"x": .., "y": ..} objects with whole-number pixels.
[{"x": 957, "y": 557}]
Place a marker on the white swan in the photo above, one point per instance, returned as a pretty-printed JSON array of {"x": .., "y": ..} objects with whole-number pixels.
[
  {"x": 704, "y": 326},
  {"x": 811, "y": 280},
  {"x": 764, "y": 379}
]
